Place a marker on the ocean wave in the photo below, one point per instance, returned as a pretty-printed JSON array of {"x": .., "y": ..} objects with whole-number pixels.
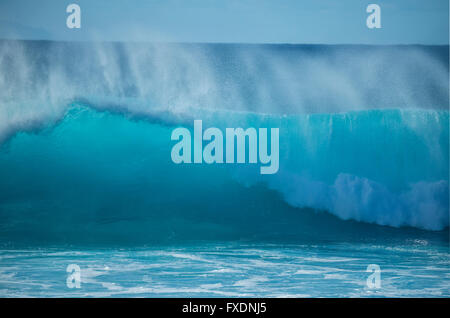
[
  {"x": 387, "y": 167},
  {"x": 39, "y": 78},
  {"x": 362, "y": 141},
  {"x": 423, "y": 205}
]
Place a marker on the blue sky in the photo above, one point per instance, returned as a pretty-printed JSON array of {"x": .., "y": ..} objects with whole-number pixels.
[{"x": 242, "y": 21}]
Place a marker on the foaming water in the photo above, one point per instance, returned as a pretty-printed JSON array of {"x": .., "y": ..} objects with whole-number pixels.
[{"x": 412, "y": 269}]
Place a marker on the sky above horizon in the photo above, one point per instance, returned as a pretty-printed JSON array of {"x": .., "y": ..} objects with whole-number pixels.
[{"x": 236, "y": 21}]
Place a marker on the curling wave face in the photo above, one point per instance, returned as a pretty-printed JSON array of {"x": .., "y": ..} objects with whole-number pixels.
[{"x": 85, "y": 132}]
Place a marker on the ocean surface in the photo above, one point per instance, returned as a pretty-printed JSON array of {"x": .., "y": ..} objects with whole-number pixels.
[
  {"x": 412, "y": 269},
  {"x": 86, "y": 175}
]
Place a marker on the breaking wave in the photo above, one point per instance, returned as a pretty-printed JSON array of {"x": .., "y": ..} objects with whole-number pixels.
[{"x": 85, "y": 136}]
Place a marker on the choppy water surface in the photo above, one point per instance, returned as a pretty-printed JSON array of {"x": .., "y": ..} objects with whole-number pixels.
[{"x": 222, "y": 270}]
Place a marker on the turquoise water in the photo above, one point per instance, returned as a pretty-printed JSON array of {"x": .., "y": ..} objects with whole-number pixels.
[
  {"x": 411, "y": 269},
  {"x": 99, "y": 203},
  {"x": 103, "y": 170},
  {"x": 86, "y": 175}
]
